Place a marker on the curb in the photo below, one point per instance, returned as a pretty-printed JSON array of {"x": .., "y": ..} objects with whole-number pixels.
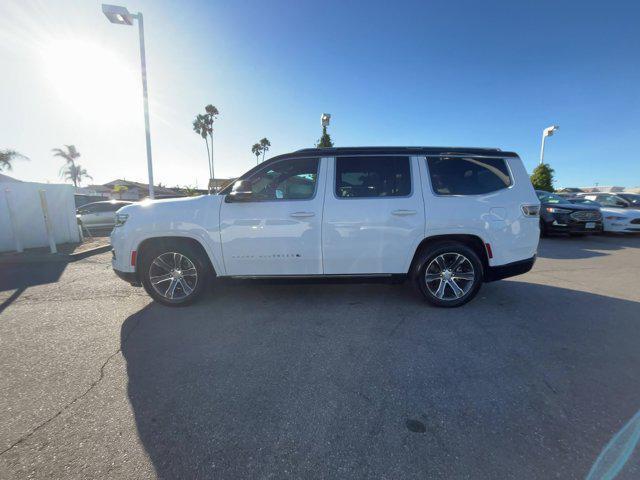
[{"x": 23, "y": 259}]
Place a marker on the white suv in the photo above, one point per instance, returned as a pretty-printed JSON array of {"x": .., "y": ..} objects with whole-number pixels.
[{"x": 448, "y": 218}]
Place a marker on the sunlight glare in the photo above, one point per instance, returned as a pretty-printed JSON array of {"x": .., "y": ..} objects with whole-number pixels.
[{"x": 93, "y": 81}]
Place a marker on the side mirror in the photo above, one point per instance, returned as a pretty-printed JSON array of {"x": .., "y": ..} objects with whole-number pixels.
[
  {"x": 621, "y": 204},
  {"x": 241, "y": 192}
]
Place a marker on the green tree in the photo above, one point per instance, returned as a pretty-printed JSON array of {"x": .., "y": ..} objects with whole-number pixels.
[
  {"x": 256, "y": 149},
  {"x": 265, "y": 144},
  {"x": 7, "y": 157},
  {"x": 325, "y": 139},
  {"x": 119, "y": 189},
  {"x": 542, "y": 177},
  {"x": 75, "y": 173}
]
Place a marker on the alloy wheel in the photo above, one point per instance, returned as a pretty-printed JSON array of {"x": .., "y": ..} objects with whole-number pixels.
[
  {"x": 450, "y": 276},
  {"x": 173, "y": 276}
]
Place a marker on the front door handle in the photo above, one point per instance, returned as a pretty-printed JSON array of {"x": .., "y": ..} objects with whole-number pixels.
[
  {"x": 302, "y": 214},
  {"x": 404, "y": 212}
]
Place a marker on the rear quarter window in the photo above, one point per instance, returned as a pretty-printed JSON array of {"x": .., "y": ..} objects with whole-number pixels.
[{"x": 468, "y": 175}]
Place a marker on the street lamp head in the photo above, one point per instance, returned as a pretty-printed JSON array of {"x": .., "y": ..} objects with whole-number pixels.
[
  {"x": 325, "y": 118},
  {"x": 116, "y": 14},
  {"x": 549, "y": 131}
]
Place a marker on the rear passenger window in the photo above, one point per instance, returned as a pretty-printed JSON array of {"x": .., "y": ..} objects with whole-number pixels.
[
  {"x": 365, "y": 177},
  {"x": 468, "y": 175}
]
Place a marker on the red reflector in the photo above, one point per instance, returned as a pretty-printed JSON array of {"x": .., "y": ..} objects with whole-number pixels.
[
  {"x": 489, "y": 252},
  {"x": 134, "y": 256}
]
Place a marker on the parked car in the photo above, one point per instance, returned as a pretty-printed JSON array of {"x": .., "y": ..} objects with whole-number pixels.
[
  {"x": 100, "y": 214},
  {"x": 559, "y": 215},
  {"x": 448, "y": 218},
  {"x": 614, "y": 200},
  {"x": 615, "y": 218}
]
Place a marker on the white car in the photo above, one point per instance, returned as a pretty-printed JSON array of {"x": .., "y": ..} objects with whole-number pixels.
[
  {"x": 449, "y": 218},
  {"x": 100, "y": 214},
  {"x": 619, "y": 214}
]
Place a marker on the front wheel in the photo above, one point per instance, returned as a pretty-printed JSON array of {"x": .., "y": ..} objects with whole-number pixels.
[
  {"x": 174, "y": 274},
  {"x": 450, "y": 274}
]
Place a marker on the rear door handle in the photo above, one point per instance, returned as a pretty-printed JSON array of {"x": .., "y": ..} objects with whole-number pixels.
[
  {"x": 302, "y": 214},
  {"x": 404, "y": 212}
]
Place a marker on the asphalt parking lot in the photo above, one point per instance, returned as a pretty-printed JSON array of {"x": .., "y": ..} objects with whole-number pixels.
[{"x": 287, "y": 380}]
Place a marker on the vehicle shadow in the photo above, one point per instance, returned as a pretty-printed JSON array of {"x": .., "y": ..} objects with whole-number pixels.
[
  {"x": 20, "y": 277},
  {"x": 588, "y": 246},
  {"x": 368, "y": 381}
]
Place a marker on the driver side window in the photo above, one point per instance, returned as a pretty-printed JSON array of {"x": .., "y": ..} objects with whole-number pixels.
[{"x": 286, "y": 180}]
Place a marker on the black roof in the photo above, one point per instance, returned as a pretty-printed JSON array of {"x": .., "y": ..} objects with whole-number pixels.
[{"x": 346, "y": 151}]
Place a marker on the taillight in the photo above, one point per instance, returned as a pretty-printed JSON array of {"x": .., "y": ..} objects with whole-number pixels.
[{"x": 531, "y": 209}]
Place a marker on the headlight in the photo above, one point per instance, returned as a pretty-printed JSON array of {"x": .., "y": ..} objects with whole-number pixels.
[
  {"x": 557, "y": 210},
  {"x": 121, "y": 218}
]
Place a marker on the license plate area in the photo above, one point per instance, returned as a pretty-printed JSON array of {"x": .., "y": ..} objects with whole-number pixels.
[{"x": 590, "y": 225}]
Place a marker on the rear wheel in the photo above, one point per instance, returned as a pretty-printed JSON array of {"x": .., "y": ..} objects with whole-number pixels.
[
  {"x": 450, "y": 274},
  {"x": 174, "y": 273}
]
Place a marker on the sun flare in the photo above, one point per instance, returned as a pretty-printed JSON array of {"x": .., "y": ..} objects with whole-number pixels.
[{"x": 92, "y": 80}]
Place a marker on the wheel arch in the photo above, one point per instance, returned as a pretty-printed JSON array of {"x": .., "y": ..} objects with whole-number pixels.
[
  {"x": 472, "y": 241},
  {"x": 164, "y": 240}
]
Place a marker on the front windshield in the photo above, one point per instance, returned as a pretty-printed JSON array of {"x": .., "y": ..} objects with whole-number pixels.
[
  {"x": 585, "y": 201},
  {"x": 632, "y": 198},
  {"x": 547, "y": 197}
]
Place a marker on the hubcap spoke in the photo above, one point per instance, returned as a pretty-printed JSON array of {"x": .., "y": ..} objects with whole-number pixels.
[
  {"x": 457, "y": 291},
  {"x": 160, "y": 278},
  {"x": 177, "y": 260},
  {"x": 440, "y": 262},
  {"x": 441, "y": 287},
  {"x": 159, "y": 262},
  {"x": 459, "y": 260},
  {"x": 432, "y": 277},
  {"x": 463, "y": 276},
  {"x": 189, "y": 272},
  {"x": 171, "y": 290},
  {"x": 185, "y": 286}
]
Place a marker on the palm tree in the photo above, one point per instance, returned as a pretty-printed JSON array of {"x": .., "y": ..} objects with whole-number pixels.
[
  {"x": 265, "y": 144},
  {"x": 69, "y": 156},
  {"x": 256, "y": 150},
  {"x": 75, "y": 173},
  {"x": 203, "y": 126},
  {"x": 7, "y": 157}
]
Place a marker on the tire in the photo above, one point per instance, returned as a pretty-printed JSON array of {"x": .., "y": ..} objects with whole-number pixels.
[
  {"x": 449, "y": 265},
  {"x": 178, "y": 266}
]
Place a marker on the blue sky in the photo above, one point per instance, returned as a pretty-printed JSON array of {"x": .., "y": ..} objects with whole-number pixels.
[{"x": 468, "y": 73}]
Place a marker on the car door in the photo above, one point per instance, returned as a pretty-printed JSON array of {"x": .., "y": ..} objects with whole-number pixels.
[
  {"x": 276, "y": 231},
  {"x": 373, "y": 215},
  {"x": 88, "y": 215}
]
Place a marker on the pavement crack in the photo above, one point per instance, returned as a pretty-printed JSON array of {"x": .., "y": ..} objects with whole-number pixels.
[{"x": 66, "y": 407}]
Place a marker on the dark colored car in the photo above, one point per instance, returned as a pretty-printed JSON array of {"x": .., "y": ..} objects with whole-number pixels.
[{"x": 559, "y": 215}]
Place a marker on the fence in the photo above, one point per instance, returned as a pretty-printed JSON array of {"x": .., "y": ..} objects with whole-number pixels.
[{"x": 23, "y": 223}]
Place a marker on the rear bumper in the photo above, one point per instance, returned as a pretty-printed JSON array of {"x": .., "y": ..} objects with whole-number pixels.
[
  {"x": 129, "y": 277},
  {"x": 509, "y": 270}
]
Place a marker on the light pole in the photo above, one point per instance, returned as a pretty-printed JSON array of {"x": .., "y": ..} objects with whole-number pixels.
[
  {"x": 547, "y": 132},
  {"x": 121, "y": 16}
]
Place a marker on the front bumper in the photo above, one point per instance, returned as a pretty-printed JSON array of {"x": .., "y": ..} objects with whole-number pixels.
[
  {"x": 509, "y": 270},
  {"x": 129, "y": 277},
  {"x": 560, "y": 223}
]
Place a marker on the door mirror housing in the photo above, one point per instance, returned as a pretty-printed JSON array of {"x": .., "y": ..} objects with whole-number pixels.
[{"x": 241, "y": 192}]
